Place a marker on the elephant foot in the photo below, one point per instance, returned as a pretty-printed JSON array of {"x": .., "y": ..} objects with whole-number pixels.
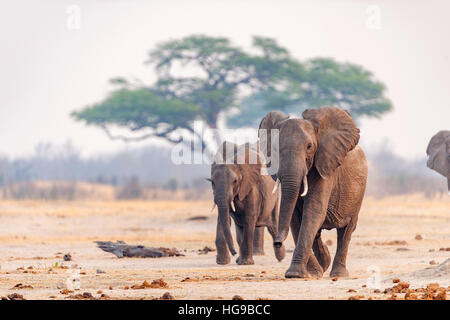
[
  {"x": 339, "y": 271},
  {"x": 280, "y": 252},
  {"x": 315, "y": 271},
  {"x": 244, "y": 261},
  {"x": 258, "y": 251},
  {"x": 222, "y": 260},
  {"x": 297, "y": 271}
]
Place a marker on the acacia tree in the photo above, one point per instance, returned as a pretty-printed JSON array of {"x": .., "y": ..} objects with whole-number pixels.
[
  {"x": 201, "y": 77},
  {"x": 215, "y": 74},
  {"x": 324, "y": 82}
]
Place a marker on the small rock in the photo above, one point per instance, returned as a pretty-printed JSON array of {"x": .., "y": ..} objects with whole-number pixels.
[
  {"x": 22, "y": 286},
  {"x": 167, "y": 296},
  {"x": 67, "y": 257},
  {"x": 237, "y": 297},
  {"x": 418, "y": 237},
  {"x": 66, "y": 291},
  {"x": 205, "y": 250},
  {"x": 15, "y": 296},
  {"x": 87, "y": 295},
  {"x": 100, "y": 271},
  {"x": 334, "y": 279},
  {"x": 432, "y": 262},
  {"x": 355, "y": 297},
  {"x": 194, "y": 218}
]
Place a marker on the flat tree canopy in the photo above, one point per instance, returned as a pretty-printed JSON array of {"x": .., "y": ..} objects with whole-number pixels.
[{"x": 201, "y": 77}]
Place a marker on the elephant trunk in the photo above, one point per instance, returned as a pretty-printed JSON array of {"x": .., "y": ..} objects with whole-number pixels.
[
  {"x": 290, "y": 187},
  {"x": 224, "y": 220}
]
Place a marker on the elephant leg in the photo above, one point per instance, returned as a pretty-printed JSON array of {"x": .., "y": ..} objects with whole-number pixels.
[
  {"x": 296, "y": 221},
  {"x": 258, "y": 242},
  {"x": 239, "y": 234},
  {"x": 313, "y": 215},
  {"x": 314, "y": 265},
  {"x": 246, "y": 248},
  {"x": 339, "y": 268},
  {"x": 280, "y": 252},
  {"x": 321, "y": 252},
  {"x": 223, "y": 255}
]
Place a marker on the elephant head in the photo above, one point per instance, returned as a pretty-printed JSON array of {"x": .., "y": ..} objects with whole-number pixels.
[
  {"x": 319, "y": 141},
  {"x": 268, "y": 123},
  {"x": 232, "y": 179},
  {"x": 438, "y": 151}
]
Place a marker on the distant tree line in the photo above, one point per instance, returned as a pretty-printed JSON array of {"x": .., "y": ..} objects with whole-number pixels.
[{"x": 150, "y": 167}]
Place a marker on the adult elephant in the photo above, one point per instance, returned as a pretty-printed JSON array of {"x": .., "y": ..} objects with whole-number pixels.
[
  {"x": 438, "y": 151},
  {"x": 246, "y": 195},
  {"x": 323, "y": 177}
]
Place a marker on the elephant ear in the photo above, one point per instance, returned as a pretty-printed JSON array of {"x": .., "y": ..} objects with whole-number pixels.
[
  {"x": 437, "y": 141},
  {"x": 438, "y": 152},
  {"x": 250, "y": 170},
  {"x": 271, "y": 121},
  {"x": 226, "y": 153},
  {"x": 337, "y": 135}
]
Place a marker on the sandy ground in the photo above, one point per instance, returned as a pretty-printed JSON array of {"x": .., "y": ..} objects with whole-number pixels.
[{"x": 34, "y": 236}]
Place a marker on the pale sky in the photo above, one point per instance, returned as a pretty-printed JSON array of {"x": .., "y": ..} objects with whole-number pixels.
[{"x": 48, "y": 70}]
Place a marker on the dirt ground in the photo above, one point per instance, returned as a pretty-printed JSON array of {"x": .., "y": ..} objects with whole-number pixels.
[{"x": 34, "y": 236}]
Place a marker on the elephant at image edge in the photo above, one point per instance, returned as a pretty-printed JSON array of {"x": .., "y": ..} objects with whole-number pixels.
[
  {"x": 438, "y": 151},
  {"x": 242, "y": 192},
  {"x": 323, "y": 176}
]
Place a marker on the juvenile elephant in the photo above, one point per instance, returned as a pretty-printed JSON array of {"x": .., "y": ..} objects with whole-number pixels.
[
  {"x": 323, "y": 177},
  {"x": 438, "y": 151},
  {"x": 242, "y": 192}
]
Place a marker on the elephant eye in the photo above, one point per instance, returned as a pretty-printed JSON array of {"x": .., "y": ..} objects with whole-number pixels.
[{"x": 309, "y": 146}]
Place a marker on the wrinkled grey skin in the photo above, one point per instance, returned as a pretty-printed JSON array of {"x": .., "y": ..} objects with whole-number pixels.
[
  {"x": 256, "y": 208},
  {"x": 323, "y": 148},
  {"x": 438, "y": 151}
]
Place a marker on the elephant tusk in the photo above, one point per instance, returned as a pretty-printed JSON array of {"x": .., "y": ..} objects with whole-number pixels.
[
  {"x": 305, "y": 186},
  {"x": 277, "y": 183},
  {"x": 232, "y": 206},
  {"x": 212, "y": 209}
]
